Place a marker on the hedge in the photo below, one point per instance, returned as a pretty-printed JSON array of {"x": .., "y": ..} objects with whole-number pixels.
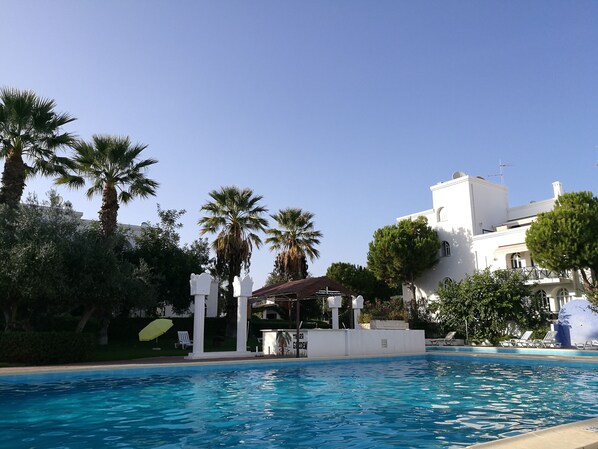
[
  {"x": 42, "y": 348},
  {"x": 127, "y": 328}
]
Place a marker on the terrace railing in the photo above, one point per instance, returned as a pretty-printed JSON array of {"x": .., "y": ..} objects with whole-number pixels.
[{"x": 537, "y": 274}]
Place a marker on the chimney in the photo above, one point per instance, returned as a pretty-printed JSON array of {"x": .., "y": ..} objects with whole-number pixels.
[{"x": 557, "y": 187}]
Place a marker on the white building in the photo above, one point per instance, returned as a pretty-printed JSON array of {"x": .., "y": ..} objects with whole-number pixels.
[{"x": 479, "y": 230}]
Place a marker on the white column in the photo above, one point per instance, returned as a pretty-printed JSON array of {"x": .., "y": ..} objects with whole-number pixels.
[
  {"x": 335, "y": 303},
  {"x": 200, "y": 288},
  {"x": 212, "y": 301},
  {"x": 357, "y": 304},
  {"x": 242, "y": 289}
]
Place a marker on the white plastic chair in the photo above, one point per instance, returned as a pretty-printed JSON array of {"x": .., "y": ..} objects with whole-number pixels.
[{"x": 184, "y": 340}]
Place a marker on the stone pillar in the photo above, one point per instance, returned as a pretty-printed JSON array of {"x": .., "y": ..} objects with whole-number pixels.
[
  {"x": 200, "y": 288},
  {"x": 335, "y": 303},
  {"x": 212, "y": 302},
  {"x": 242, "y": 289},
  {"x": 357, "y": 305}
]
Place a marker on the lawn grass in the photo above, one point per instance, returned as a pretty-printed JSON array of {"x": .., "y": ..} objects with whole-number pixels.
[{"x": 131, "y": 350}]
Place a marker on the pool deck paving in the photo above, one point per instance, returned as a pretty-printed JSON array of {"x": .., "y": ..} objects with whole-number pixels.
[{"x": 577, "y": 435}]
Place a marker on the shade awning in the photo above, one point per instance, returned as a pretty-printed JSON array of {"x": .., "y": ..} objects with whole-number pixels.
[
  {"x": 510, "y": 249},
  {"x": 303, "y": 289}
]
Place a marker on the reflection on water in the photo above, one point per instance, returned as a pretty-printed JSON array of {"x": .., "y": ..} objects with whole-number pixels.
[{"x": 406, "y": 403}]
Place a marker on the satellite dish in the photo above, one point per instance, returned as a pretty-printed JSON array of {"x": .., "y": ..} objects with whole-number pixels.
[{"x": 458, "y": 174}]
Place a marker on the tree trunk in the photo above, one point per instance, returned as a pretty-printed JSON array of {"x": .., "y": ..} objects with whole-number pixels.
[
  {"x": 590, "y": 282},
  {"x": 26, "y": 325},
  {"x": 413, "y": 299},
  {"x": 108, "y": 211},
  {"x": 7, "y": 318},
  {"x": 231, "y": 309},
  {"x": 13, "y": 179},
  {"x": 84, "y": 319},
  {"x": 10, "y": 317},
  {"x": 103, "y": 332}
]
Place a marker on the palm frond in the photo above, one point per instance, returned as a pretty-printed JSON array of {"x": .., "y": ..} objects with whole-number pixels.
[
  {"x": 294, "y": 241},
  {"x": 235, "y": 215}
]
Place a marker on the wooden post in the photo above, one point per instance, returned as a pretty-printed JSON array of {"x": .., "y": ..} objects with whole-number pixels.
[{"x": 298, "y": 325}]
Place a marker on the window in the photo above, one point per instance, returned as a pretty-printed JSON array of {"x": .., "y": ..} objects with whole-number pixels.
[
  {"x": 446, "y": 249},
  {"x": 543, "y": 298},
  {"x": 516, "y": 260},
  {"x": 441, "y": 214},
  {"x": 563, "y": 297}
]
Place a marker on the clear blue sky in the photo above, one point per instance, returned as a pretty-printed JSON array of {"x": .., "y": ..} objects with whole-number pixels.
[{"x": 348, "y": 109}]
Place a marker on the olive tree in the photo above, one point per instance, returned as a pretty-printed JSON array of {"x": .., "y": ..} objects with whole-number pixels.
[
  {"x": 400, "y": 253},
  {"x": 566, "y": 238},
  {"x": 486, "y": 302}
]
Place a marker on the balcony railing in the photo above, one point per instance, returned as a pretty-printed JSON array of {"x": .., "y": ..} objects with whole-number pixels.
[{"x": 537, "y": 274}]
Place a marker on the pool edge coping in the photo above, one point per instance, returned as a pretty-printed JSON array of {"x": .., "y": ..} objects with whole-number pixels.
[
  {"x": 126, "y": 365},
  {"x": 577, "y": 435}
]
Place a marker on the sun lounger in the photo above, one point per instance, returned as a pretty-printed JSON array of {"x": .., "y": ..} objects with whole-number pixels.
[
  {"x": 448, "y": 340},
  {"x": 549, "y": 341},
  {"x": 523, "y": 341},
  {"x": 590, "y": 344}
]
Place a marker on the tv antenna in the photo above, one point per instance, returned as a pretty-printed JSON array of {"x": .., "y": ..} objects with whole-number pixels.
[{"x": 501, "y": 170}]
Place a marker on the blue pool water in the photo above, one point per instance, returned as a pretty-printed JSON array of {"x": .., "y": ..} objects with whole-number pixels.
[
  {"x": 417, "y": 402},
  {"x": 523, "y": 351}
]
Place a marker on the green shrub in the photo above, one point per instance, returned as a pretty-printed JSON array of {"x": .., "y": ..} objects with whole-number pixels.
[
  {"x": 391, "y": 309},
  {"x": 42, "y": 348},
  {"x": 257, "y": 325}
]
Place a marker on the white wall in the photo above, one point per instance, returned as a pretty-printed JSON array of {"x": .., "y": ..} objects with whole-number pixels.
[
  {"x": 471, "y": 207},
  {"x": 353, "y": 342},
  {"x": 531, "y": 209},
  {"x": 487, "y": 251}
]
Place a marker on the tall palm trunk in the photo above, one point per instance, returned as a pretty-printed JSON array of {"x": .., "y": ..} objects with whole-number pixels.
[
  {"x": 13, "y": 179},
  {"x": 231, "y": 309},
  {"x": 231, "y": 302},
  {"x": 108, "y": 211},
  {"x": 108, "y": 225}
]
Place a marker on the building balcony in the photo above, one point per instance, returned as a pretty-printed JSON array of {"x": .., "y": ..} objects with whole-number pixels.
[{"x": 536, "y": 275}]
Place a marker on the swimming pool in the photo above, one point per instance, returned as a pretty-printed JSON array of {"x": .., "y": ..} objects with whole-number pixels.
[
  {"x": 523, "y": 351},
  {"x": 426, "y": 401}
]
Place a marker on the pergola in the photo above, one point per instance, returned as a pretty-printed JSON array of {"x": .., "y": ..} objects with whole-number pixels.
[{"x": 303, "y": 289}]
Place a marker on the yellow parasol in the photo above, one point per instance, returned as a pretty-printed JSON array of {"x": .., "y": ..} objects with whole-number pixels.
[{"x": 155, "y": 329}]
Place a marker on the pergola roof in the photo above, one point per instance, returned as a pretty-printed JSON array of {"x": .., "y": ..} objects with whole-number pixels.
[{"x": 303, "y": 289}]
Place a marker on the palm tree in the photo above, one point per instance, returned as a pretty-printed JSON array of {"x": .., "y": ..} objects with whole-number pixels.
[
  {"x": 235, "y": 215},
  {"x": 30, "y": 135},
  {"x": 111, "y": 164},
  {"x": 295, "y": 242}
]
